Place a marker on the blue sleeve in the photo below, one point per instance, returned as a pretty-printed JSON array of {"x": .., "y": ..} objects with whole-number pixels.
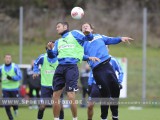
[
  {"x": 18, "y": 75},
  {"x": 111, "y": 40},
  {"x": 54, "y": 52},
  {"x": 85, "y": 57},
  {"x": 80, "y": 37},
  {"x": 90, "y": 79},
  {"x": 37, "y": 62},
  {"x": 118, "y": 68},
  {"x": 0, "y": 71}
]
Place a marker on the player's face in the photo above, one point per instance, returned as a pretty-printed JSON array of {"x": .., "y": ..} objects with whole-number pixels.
[
  {"x": 61, "y": 28},
  {"x": 8, "y": 59},
  {"x": 86, "y": 27}
]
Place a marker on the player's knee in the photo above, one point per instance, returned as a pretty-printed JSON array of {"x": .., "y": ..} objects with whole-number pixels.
[
  {"x": 90, "y": 107},
  {"x": 71, "y": 95},
  {"x": 56, "y": 95}
]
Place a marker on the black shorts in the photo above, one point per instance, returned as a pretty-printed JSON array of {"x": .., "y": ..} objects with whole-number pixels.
[
  {"x": 46, "y": 92},
  {"x": 95, "y": 93},
  {"x": 106, "y": 79},
  {"x": 66, "y": 76}
]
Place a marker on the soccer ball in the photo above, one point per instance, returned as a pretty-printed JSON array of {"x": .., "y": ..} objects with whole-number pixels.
[{"x": 77, "y": 13}]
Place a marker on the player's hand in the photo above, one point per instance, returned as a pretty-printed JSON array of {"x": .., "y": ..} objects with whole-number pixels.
[
  {"x": 126, "y": 39},
  {"x": 94, "y": 59},
  {"x": 35, "y": 75},
  {"x": 9, "y": 77},
  {"x": 50, "y": 45},
  {"x": 120, "y": 85}
]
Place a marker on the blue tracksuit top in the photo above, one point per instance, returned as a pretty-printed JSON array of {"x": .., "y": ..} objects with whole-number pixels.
[
  {"x": 91, "y": 79},
  {"x": 116, "y": 67},
  {"x": 39, "y": 61},
  {"x": 17, "y": 70},
  {"x": 80, "y": 37},
  {"x": 97, "y": 48}
]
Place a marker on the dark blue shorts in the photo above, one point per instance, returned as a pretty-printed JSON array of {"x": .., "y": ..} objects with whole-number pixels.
[
  {"x": 10, "y": 94},
  {"x": 46, "y": 92},
  {"x": 66, "y": 76},
  {"x": 106, "y": 79},
  {"x": 95, "y": 93}
]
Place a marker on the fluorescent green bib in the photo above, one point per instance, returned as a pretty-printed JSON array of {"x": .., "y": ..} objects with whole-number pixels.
[
  {"x": 47, "y": 72},
  {"x": 9, "y": 84},
  {"x": 69, "y": 47}
]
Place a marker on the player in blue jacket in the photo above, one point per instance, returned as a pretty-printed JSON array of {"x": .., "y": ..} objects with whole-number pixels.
[
  {"x": 10, "y": 75},
  {"x": 48, "y": 67},
  {"x": 94, "y": 91},
  {"x": 103, "y": 72}
]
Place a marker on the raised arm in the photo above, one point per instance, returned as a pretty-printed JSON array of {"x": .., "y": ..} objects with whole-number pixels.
[{"x": 52, "y": 51}]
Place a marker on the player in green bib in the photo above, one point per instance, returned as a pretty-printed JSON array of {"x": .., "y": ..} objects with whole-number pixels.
[
  {"x": 48, "y": 67},
  {"x": 10, "y": 75},
  {"x": 69, "y": 51}
]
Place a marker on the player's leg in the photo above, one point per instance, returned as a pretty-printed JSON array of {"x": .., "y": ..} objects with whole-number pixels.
[
  {"x": 6, "y": 94},
  {"x": 90, "y": 110},
  {"x": 61, "y": 116},
  {"x": 71, "y": 77},
  {"x": 15, "y": 94},
  {"x": 41, "y": 111},
  {"x": 45, "y": 93},
  {"x": 102, "y": 75},
  {"x": 8, "y": 111},
  {"x": 115, "y": 92},
  {"x": 58, "y": 85},
  {"x": 93, "y": 97},
  {"x": 56, "y": 105}
]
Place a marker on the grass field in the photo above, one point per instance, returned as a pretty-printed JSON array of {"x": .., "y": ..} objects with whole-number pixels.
[{"x": 147, "y": 113}]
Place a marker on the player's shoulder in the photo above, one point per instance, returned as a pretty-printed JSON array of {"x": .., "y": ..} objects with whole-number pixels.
[
  {"x": 42, "y": 55},
  {"x": 74, "y": 32},
  {"x": 15, "y": 65}
]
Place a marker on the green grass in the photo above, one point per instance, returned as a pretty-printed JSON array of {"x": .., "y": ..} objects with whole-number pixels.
[{"x": 147, "y": 113}]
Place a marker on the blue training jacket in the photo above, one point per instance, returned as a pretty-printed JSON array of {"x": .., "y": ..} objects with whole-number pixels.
[
  {"x": 80, "y": 37},
  {"x": 17, "y": 70},
  {"x": 97, "y": 48},
  {"x": 116, "y": 67}
]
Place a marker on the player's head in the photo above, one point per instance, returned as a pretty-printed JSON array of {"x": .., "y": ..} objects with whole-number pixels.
[
  {"x": 87, "y": 26},
  {"x": 7, "y": 59},
  {"x": 61, "y": 27}
]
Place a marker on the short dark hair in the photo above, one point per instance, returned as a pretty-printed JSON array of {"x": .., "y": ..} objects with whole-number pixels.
[
  {"x": 7, "y": 55},
  {"x": 64, "y": 23}
]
